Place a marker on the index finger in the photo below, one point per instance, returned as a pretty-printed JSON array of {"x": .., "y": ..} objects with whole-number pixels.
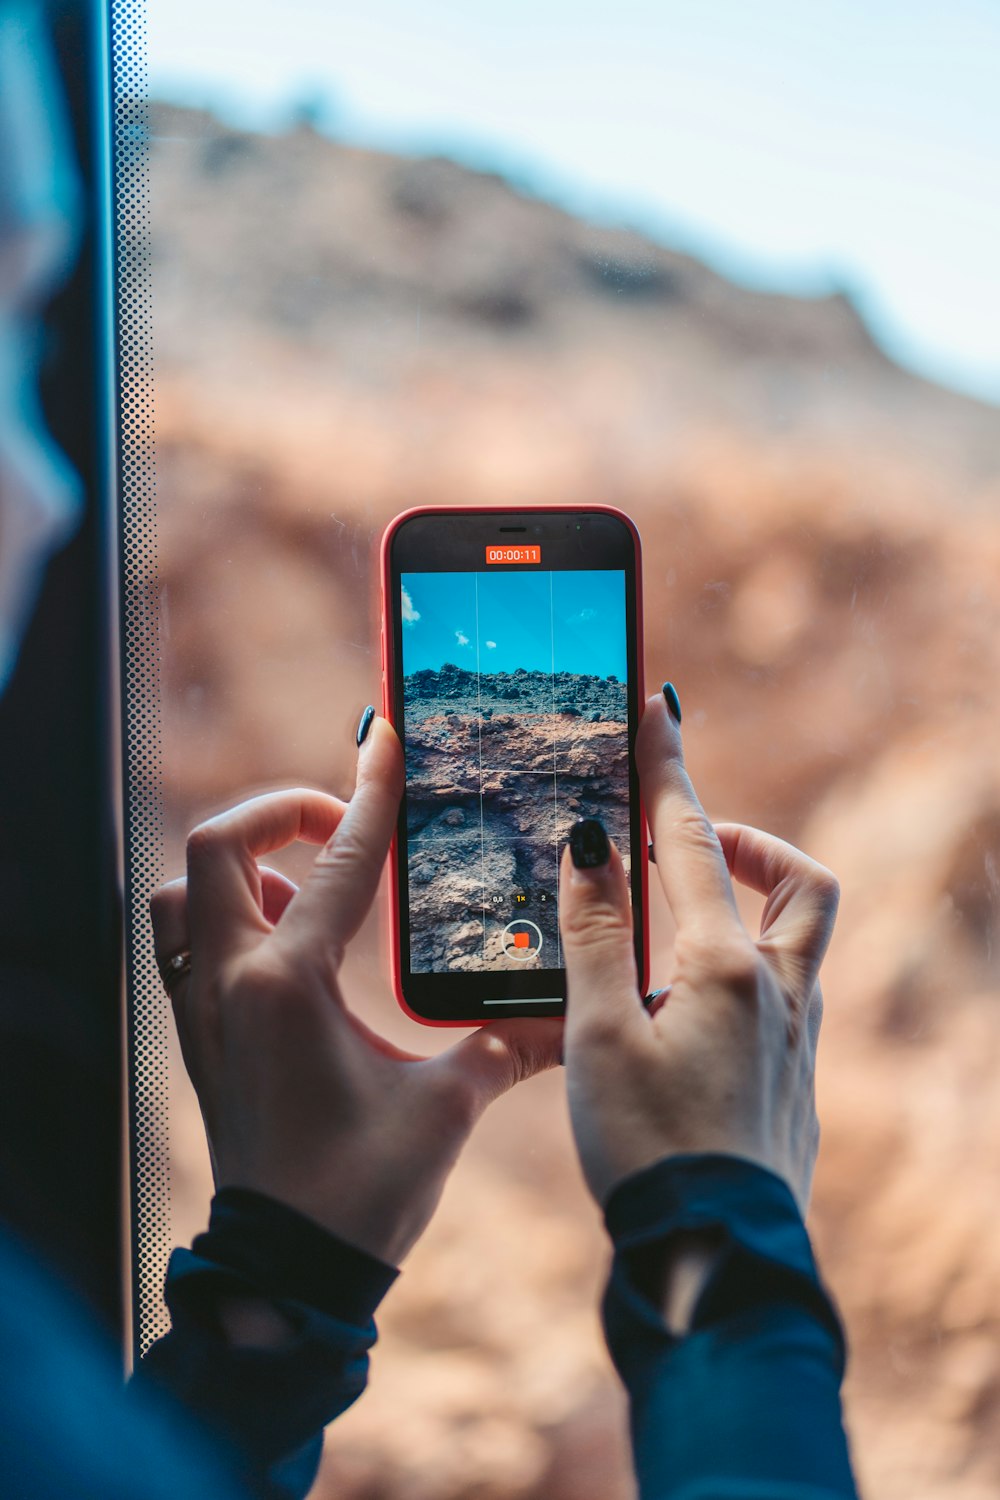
[
  {"x": 224, "y": 884},
  {"x": 689, "y": 858},
  {"x": 802, "y": 897}
]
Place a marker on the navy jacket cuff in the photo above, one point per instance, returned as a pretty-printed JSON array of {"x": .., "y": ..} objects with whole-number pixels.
[
  {"x": 275, "y": 1252},
  {"x": 765, "y": 1256}
]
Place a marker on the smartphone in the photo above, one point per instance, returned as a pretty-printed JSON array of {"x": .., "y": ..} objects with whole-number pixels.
[{"x": 512, "y": 672}]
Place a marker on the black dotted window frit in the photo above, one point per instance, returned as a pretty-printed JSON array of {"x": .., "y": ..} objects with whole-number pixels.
[{"x": 147, "y": 1003}]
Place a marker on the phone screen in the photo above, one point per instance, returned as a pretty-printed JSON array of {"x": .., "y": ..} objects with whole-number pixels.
[{"x": 513, "y": 681}]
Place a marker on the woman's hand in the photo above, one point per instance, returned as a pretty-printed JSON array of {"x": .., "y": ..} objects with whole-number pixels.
[
  {"x": 727, "y": 1063},
  {"x": 300, "y": 1098}
]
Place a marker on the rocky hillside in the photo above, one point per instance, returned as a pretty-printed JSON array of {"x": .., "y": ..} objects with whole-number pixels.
[{"x": 340, "y": 334}]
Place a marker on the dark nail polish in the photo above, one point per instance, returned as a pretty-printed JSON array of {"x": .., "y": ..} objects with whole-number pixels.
[
  {"x": 367, "y": 720},
  {"x": 673, "y": 702},
  {"x": 651, "y": 854},
  {"x": 588, "y": 844}
]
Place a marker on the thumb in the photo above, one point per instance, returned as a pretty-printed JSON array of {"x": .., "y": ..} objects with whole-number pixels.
[
  {"x": 342, "y": 884},
  {"x": 595, "y": 922},
  {"x": 501, "y": 1055}
]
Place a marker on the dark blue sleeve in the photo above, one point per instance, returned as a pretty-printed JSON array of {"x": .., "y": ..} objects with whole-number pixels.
[
  {"x": 746, "y": 1404},
  {"x": 268, "y": 1407}
]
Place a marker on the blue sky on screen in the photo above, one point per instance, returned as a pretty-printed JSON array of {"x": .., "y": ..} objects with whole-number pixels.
[
  {"x": 842, "y": 143},
  {"x": 525, "y": 620}
]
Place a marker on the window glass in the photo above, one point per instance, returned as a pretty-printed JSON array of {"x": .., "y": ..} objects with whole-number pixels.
[{"x": 732, "y": 269}]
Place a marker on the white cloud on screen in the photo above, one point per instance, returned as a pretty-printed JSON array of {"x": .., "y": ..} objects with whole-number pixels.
[
  {"x": 491, "y": 645},
  {"x": 410, "y": 615},
  {"x": 463, "y": 640}
]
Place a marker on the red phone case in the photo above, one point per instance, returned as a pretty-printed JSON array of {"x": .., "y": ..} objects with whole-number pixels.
[{"x": 388, "y": 675}]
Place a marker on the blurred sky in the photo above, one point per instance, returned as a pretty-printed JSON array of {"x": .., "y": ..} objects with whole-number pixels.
[
  {"x": 794, "y": 144},
  {"x": 543, "y": 622}
]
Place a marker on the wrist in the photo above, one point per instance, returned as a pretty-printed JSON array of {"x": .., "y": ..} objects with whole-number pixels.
[{"x": 688, "y": 1260}]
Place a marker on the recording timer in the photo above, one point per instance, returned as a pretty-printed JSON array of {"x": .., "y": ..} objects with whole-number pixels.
[{"x": 526, "y": 554}]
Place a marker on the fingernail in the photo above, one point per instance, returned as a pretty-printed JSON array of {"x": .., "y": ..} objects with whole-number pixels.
[
  {"x": 367, "y": 720},
  {"x": 651, "y": 854},
  {"x": 673, "y": 702},
  {"x": 588, "y": 844},
  {"x": 657, "y": 999}
]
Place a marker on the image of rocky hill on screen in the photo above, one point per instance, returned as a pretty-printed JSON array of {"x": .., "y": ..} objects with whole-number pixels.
[
  {"x": 498, "y": 768},
  {"x": 576, "y": 694}
]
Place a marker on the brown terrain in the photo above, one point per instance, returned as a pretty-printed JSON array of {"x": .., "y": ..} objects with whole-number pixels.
[{"x": 340, "y": 334}]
